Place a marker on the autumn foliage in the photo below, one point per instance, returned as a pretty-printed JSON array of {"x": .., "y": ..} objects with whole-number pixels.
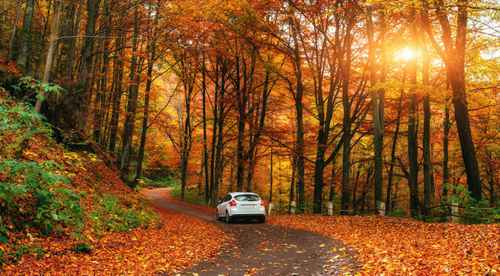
[{"x": 400, "y": 246}]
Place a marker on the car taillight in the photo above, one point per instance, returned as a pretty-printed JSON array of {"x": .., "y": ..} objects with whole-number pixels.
[{"x": 232, "y": 203}]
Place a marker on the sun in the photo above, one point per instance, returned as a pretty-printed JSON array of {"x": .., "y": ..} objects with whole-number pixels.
[{"x": 406, "y": 54}]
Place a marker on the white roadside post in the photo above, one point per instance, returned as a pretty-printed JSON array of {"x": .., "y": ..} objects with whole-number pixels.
[
  {"x": 381, "y": 208},
  {"x": 330, "y": 208},
  {"x": 293, "y": 205},
  {"x": 269, "y": 208}
]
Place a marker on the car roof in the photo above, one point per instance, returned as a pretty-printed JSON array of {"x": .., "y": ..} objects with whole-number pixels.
[{"x": 242, "y": 193}]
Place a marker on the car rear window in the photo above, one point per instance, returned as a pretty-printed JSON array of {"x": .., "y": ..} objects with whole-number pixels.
[{"x": 248, "y": 197}]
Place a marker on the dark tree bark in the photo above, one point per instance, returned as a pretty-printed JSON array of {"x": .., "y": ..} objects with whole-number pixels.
[
  {"x": 378, "y": 105},
  {"x": 13, "y": 37},
  {"x": 117, "y": 90},
  {"x": 412, "y": 126},
  {"x": 86, "y": 63},
  {"x": 389, "y": 199},
  {"x": 453, "y": 55},
  {"x": 428, "y": 173},
  {"x": 54, "y": 34},
  {"x": 299, "y": 115},
  {"x": 446, "y": 133},
  {"x": 204, "y": 121},
  {"x": 24, "y": 56},
  {"x": 102, "y": 85},
  {"x": 133, "y": 91},
  {"x": 147, "y": 91},
  {"x": 241, "y": 102},
  {"x": 346, "y": 200}
]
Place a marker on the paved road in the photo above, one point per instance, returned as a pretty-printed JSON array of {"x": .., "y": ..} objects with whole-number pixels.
[{"x": 263, "y": 249}]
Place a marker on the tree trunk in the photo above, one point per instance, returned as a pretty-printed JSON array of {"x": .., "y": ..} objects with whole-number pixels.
[
  {"x": 204, "y": 121},
  {"x": 133, "y": 89},
  {"x": 101, "y": 94},
  {"x": 346, "y": 203},
  {"x": 54, "y": 34},
  {"x": 454, "y": 59},
  {"x": 24, "y": 56},
  {"x": 389, "y": 200},
  {"x": 117, "y": 90},
  {"x": 412, "y": 127},
  {"x": 446, "y": 133},
  {"x": 12, "y": 42},
  {"x": 147, "y": 91},
  {"x": 428, "y": 174},
  {"x": 85, "y": 71}
]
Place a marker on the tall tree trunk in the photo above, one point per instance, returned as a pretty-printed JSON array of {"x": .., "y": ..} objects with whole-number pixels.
[
  {"x": 204, "y": 121},
  {"x": 147, "y": 92},
  {"x": 346, "y": 123},
  {"x": 241, "y": 103},
  {"x": 428, "y": 174},
  {"x": 299, "y": 116},
  {"x": 12, "y": 42},
  {"x": 219, "y": 149},
  {"x": 453, "y": 55},
  {"x": 101, "y": 94},
  {"x": 24, "y": 56},
  {"x": 412, "y": 126},
  {"x": 133, "y": 89},
  {"x": 85, "y": 70},
  {"x": 117, "y": 90},
  {"x": 389, "y": 200},
  {"x": 378, "y": 105},
  {"x": 446, "y": 133},
  {"x": 54, "y": 34}
]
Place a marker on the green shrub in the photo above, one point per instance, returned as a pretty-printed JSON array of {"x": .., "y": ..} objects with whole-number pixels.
[
  {"x": 111, "y": 215},
  {"x": 2, "y": 258},
  {"x": 398, "y": 212},
  {"x": 479, "y": 212},
  {"x": 473, "y": 211},
  {"x": 82, "y": 248},
  {"x": 162, "y": 182},
  {"x": 32, "y": 195}
]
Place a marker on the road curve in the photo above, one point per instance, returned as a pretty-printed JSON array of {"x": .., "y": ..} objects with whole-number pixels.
[{"x": 264, "y": 249}]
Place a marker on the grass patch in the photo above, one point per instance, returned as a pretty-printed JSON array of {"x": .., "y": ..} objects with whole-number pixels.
[
  {"x": 162, "y": 182},
  {"x": 111, "y": 215},
  {"x": 190, "y": 195}
]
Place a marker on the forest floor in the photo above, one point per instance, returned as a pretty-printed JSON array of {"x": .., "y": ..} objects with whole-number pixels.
[
  {"x": 403, "y": 246},
  {"x": 263, "y": 249},
  {"x": 178, "y": 242}
]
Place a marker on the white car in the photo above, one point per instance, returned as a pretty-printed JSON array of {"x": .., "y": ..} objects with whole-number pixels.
[{"x": 241, "y": 205}]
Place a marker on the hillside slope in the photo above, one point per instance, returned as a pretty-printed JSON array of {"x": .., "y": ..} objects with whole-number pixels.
[{"x": 63, "y": 210}]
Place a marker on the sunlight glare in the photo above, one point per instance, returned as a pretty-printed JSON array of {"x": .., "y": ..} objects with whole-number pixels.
[{"x": 406, "y": 54}]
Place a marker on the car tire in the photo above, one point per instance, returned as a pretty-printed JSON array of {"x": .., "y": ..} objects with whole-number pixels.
[
  {"x": 217, "y": 218},
  {"x": 227, "y": 218},
  {"x": 262, "y": 220}
]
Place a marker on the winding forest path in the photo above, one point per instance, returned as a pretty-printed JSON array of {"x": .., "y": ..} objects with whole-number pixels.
[{"x": 262, "y": 249}]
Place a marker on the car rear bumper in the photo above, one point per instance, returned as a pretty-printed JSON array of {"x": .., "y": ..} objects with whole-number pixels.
[
  {"x": 248, "y": 216},
  {"x": 247, "y": 213}
]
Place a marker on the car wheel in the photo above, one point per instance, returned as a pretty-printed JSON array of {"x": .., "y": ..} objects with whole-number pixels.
[
  {"x": 217, "y": 215},
  {"x": 262, "y": 220},
  {"x": 227, "y": 218}
]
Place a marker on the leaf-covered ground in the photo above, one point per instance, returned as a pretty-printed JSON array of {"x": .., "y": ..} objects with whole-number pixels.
[
  {"x": 167, "y": 244},
  {"x": 119, "y": 231},
  {"x": 179, "y": 242},
  {"x": 397, "y": 246}
]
